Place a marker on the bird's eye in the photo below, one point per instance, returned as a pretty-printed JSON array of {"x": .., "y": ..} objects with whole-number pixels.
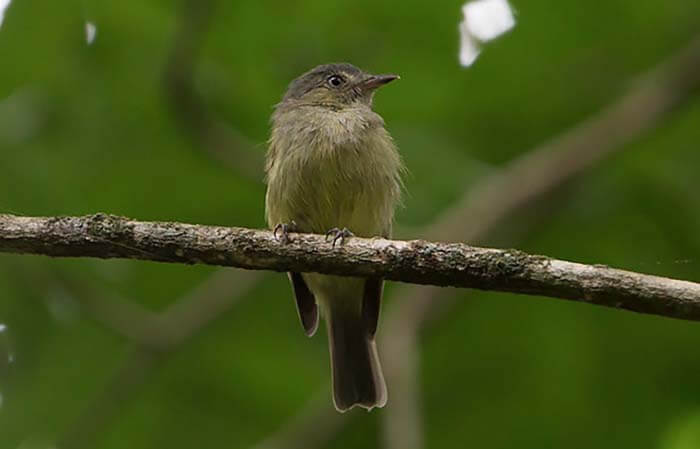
[{"x": 335, "y": 80}]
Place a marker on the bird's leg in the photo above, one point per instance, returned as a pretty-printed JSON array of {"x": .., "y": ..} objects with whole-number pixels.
[
  {"x": 339, "y": 234},
  {"x": 284, "y": 229}
]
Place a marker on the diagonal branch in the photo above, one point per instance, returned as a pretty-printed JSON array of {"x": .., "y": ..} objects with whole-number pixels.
[
  {"x": 652, "y": 97},
  {"x": 414, "y": 261},
  {"x": 155, "y": 336},
  {"x": 164, "y": 331},
  {"x": 188, "y": 106}
]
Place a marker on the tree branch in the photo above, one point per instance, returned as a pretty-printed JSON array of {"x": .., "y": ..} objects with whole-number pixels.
[
  {"x": 206, "y": 131},
  {"x": 652, "y": 97},
  {"x": 414, "y": 261},
  {"x": 155, "y": 336}
]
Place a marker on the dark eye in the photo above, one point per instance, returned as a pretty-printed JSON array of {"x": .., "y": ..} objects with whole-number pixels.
[{"x": 335, "y": 80}]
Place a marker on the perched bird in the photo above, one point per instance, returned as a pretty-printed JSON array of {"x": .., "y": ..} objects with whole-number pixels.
[{"x": 332, "y": 168}]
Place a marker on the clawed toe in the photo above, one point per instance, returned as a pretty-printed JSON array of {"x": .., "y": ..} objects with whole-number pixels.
[
  {"x": 339, "y": 235},
  {"x": 283, "y": 229}
]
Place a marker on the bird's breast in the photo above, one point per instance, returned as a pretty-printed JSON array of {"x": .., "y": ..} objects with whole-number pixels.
[{"x": 336, "y": 170}]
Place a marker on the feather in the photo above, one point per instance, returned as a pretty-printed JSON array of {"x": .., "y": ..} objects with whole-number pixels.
[{"x": 306, "y": 304}]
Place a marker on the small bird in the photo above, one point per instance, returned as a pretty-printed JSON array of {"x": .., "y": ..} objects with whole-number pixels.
[{"x": 333, "y": 168}]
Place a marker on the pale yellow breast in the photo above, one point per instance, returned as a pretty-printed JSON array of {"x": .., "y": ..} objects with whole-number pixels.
[{"x": 333, "y": 169}]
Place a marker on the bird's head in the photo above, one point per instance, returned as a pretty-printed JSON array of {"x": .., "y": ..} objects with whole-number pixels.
[{"x": 335, "y": 86}]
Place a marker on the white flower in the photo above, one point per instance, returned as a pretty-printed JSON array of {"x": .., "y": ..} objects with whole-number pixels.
[{"x": 484, "y": 20}]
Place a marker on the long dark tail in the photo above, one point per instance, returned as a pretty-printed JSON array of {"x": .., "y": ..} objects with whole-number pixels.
[{"x": 357, "y": 375}]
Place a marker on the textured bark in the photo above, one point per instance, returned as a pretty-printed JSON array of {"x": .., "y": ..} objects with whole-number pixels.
[{"x": 414, "y": 261}]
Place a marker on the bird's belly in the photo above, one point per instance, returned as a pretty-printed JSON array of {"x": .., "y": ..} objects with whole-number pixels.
[
  {"x": 342, "y": 200},
  {"x": 339, "y": 190}
]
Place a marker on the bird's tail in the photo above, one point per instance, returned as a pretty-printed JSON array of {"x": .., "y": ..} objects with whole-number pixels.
[{"x": 357, "y": 375}]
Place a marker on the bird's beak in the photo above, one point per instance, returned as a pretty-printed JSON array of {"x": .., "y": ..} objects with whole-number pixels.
[{"x": 374, "y": 81}]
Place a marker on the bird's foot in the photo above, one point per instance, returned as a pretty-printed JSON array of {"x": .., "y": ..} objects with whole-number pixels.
[
  {"x": 283, "y": 229},
  {"x": 339, "y": 235}
]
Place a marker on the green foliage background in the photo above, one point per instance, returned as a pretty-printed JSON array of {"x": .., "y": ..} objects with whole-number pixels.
[{"x": 90, "y": 128}]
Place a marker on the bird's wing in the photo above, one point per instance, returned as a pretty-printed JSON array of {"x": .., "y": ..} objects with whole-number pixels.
[{"x": 306, "y": 304}]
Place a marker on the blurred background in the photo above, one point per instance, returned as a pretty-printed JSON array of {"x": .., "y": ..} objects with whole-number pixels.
[{"x": 574, "y": 135}]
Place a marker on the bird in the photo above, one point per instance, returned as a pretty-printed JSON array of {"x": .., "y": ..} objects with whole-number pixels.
[{"x": 332, "y": 168}]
